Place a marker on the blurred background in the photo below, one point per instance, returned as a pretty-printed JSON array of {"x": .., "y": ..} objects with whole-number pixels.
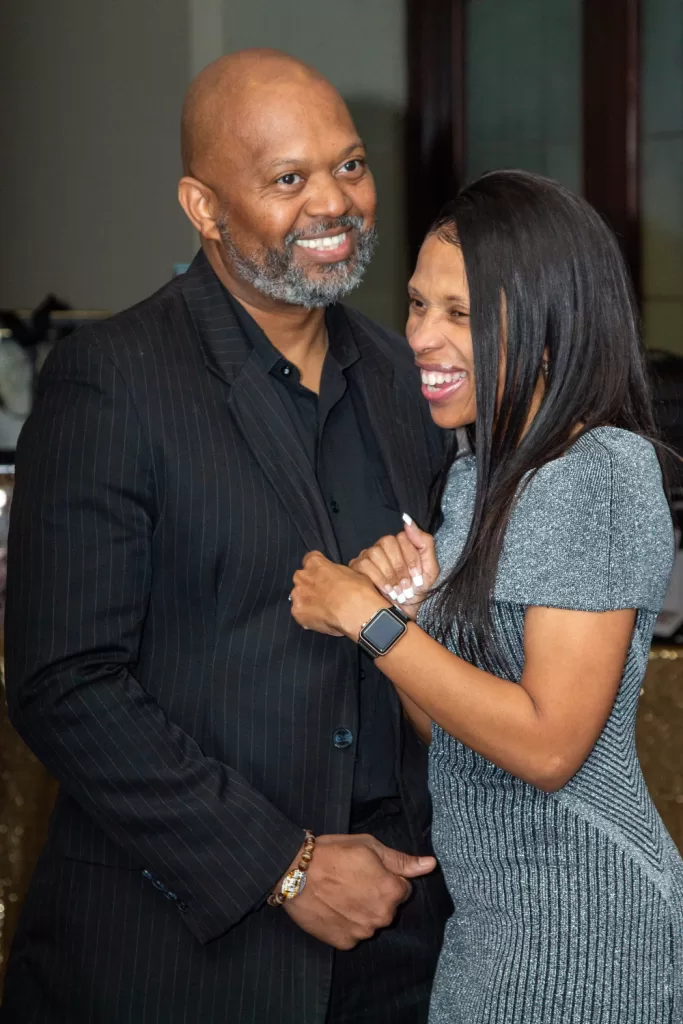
[{"x": 587, "y": 91}]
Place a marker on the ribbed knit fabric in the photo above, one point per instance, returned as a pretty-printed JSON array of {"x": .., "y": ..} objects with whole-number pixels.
[{"x": 568, "y": 905}]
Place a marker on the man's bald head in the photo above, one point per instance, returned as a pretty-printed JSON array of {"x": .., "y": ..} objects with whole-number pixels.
[
  {"x": 227, "y": 99},
  {"x": 276, "y": 179}
]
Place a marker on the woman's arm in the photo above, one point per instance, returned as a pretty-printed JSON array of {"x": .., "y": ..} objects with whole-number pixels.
[
  {"x": 541, "y": 730},
  {"x": 421, "y": 722}
]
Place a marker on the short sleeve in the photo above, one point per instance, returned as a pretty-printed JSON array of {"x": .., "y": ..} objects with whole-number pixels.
[{"x": 591, "y": 531}]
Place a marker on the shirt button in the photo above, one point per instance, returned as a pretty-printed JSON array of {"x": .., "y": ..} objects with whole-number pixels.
[
  {"x": 362, "y": 674},
  {"x": 334, "y": 506},
  {"x": 343, "y": 738},
  {"x": 286, "y": 370}
]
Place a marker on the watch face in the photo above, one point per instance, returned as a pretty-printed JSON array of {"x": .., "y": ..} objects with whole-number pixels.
[{"x": 384, "y": 630}]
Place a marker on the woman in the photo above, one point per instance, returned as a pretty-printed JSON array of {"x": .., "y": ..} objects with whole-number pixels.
[{"x": 525, "y": 663}]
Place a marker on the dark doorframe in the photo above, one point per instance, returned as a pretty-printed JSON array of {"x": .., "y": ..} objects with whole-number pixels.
[
  {"x": 436, "y": 124},
  {"x": 611, "y": 119},
  {"x": 435, "y": 129}
]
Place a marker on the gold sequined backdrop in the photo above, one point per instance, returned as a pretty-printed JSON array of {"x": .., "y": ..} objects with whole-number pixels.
[{"x": 27, "y": 793}]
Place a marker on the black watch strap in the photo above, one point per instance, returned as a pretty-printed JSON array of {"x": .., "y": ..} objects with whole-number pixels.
[{"x": 399, "y": 613}]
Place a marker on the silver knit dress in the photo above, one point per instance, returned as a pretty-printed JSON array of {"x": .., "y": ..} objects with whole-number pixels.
[{"x": 568, "y": 905}]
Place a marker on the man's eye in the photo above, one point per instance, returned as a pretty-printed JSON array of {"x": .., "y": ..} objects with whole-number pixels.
[
  {"x": 351, "y": 166},
  {"x": 289, "y": 179},
  {"x": 416, "y": 303}
]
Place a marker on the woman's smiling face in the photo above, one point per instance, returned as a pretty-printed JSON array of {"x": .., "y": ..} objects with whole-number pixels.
[{"x": 438, "y": 331}]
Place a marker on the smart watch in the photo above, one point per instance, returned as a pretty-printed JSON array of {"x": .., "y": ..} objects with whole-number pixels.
[{"x": 379, "y": 634}]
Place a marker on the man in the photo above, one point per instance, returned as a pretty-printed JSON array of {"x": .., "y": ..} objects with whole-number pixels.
[{"x": 182, "y": 459}]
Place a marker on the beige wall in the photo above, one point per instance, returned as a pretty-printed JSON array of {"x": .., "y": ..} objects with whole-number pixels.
[{"x": 91, "y": 92}]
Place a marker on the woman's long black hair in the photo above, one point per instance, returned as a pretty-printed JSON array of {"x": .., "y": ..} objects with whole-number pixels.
[{"x": 541, "y": 256}]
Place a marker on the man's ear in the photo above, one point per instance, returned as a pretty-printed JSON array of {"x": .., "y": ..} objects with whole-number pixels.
[{"x": 201, "y": 206}]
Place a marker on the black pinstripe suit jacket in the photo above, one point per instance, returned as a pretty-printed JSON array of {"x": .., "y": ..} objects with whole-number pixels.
[{"x": 162, "y": 504}]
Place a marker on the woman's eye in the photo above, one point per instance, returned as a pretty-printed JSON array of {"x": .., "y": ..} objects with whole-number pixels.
[
  {"x": 416, "y": 303},
  {"x": 459, "y": 314},
  {"x": 289, "y": 179}
]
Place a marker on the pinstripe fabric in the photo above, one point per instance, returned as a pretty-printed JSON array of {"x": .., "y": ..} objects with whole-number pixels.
[
  {"x": 163, "y": 503},
  {"x": 568, "y": 905}
]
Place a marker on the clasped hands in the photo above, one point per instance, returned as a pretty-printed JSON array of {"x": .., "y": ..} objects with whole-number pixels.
[
  {"x": 355, "y": 884},
  {"x": 337, "y": 599}
]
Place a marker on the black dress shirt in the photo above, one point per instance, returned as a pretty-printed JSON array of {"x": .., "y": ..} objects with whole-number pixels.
[{"x": 335, "y": 432}]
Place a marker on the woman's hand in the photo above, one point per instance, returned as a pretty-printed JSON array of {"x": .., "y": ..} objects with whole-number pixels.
[
  {"x": 333, "y": 599},
  {"x": 402, "y": 567}
]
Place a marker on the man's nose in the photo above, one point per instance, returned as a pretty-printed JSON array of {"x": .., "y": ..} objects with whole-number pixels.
[{"x": 327, "y": 198}]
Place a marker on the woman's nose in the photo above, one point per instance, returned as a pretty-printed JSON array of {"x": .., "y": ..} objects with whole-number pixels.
[{"x": 425, "y": 337}]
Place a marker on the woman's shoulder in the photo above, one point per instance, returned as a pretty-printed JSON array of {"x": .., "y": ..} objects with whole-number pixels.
[
  {"x": 596, "y": 519},
  {"x": 605, "y": 466}
]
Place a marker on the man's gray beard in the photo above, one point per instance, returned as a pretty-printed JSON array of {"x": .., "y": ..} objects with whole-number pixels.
[{"x": 278, "y": 276}]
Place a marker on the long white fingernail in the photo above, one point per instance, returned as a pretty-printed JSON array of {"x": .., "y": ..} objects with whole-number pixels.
[
  {"x": 392, "y": 594},
  {"x": 406, "y": 519},
  {"x": 418, "y": 581},
  {"x": 409, "y": 593},
  {"x": 401, "y": 598}
]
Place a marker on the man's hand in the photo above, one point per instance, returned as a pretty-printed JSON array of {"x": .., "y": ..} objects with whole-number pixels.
[{"x": 354, "y": 886}]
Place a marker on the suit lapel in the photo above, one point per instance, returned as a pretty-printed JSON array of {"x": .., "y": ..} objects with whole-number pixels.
[
  {"x": 395, "y": 418},
  {"x": 268, "y": 430},
  {"x": 256, "y": 407}
]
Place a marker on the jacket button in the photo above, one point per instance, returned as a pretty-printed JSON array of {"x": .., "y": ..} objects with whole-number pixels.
[
  {"x": 147, "y": 874},
  {"x": 343, "y": 738}
]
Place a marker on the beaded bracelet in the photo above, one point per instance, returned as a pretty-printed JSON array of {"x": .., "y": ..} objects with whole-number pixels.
[{"x": 293, "y": 883}]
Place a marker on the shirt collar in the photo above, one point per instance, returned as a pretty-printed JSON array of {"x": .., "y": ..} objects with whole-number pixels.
[{"x": 343, "y": 347}]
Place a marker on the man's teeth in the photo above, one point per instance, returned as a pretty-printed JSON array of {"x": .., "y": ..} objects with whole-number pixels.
[
  {"x": 322, "y": 243},
  {"x": 432, "y": 379}
]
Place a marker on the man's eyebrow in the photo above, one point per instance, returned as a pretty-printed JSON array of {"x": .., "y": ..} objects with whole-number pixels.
[{"x": 288, "y": 161}]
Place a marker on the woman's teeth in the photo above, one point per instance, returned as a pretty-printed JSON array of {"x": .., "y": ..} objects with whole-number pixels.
[
  {"x": 322, "y": 243},
  {"x": 434, "y": 380}
]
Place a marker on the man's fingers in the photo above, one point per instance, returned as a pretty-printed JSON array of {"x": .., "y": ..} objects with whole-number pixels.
[
  {"x": 409, "y": 891},
  {"x": 404, "y": 864}
]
